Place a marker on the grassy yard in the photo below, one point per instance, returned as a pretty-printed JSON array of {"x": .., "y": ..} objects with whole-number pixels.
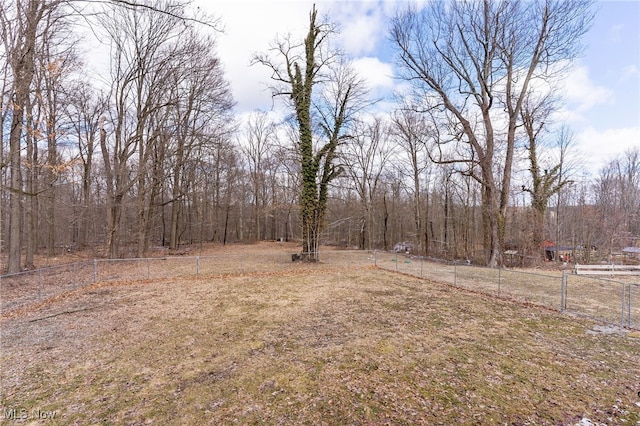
[{"x": 310, "y": 345}]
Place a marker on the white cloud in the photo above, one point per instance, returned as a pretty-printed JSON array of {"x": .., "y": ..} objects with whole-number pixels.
[
  {"x": 377, "y": 74},
  {"x": 582, "y": 93},
  {"x": 250, "y": 28},
  {"x": 361, "y": 30},
  {"x": 600, "y": 146}
]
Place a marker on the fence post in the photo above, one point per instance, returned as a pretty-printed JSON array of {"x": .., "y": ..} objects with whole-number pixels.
[
  {"x": 375, "y": 258},
  {"x": 563, "y": 292},
  {"x": 629, "y": 306},
  {"x": 624, "y": 290},
  {"x": 421, "y": 267},
  {"x": 455, "y": 274},
  {"x": 197, "y": 266}
]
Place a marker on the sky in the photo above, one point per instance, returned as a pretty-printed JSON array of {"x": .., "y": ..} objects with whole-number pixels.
[{"x": 602, "y": 91}]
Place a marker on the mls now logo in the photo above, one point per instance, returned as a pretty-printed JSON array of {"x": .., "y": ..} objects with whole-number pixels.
[{"x": 22, "y": 413}]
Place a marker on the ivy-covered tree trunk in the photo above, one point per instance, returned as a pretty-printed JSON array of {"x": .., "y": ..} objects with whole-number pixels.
[
  {"x": 296, "y": 78},
  {"x": 312, "y": 198},
  {"x": 544, "y": 183},
  {"x": 302, "y": 88}
]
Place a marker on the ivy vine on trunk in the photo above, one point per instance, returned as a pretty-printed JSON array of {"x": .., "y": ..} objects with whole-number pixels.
[{"x": 321, "y": 118}]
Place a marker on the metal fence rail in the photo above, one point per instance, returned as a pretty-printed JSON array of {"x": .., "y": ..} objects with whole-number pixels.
[{"x": 612, "y": 301}]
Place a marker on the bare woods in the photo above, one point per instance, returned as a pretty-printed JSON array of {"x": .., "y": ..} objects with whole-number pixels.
[{"x": 467, "y": 163}]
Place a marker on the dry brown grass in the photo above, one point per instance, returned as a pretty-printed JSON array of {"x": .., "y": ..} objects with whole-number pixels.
[{"x": 314, "y": 344}]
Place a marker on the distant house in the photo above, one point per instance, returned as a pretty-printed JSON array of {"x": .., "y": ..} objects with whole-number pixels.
[
  {"x": 553, "y": 252},
  {"x": 403, "y": 247},
  {"x": 631, "y": 253}
]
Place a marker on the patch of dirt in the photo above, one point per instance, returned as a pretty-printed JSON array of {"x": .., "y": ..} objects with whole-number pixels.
[{"x": 607, "y": 329}]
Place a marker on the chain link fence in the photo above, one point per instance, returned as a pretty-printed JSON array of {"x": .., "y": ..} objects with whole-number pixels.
[
  {"x": 614, "y": 300},
  {"x": 26, "y": 288},
  {"x": 608, "y": 300}
]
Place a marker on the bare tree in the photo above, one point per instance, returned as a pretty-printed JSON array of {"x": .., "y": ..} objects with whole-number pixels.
[
  {"x": 366, "y": 158},
  {"x": 474, "y": 63},
  {"x": 83, "y": 109},
  {"x": 413, "y": 135},
  {"x": 5, "y": 99},
  {"x": 21, "y": 25},
  {"x": 223, "y": 173},
  {"x": 56, "y": 61},
  {"x": 617, "y": 203},
  {"x": 140, "y": 64},
  {"x": 258, "y": 140},
  {"x": 199, "y": 111}
]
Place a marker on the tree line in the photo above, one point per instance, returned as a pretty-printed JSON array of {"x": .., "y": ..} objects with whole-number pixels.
[{"x": 468, "y": 164}]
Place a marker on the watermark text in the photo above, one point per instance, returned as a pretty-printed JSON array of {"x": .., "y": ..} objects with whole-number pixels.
[{"x": 23, "y": 413}]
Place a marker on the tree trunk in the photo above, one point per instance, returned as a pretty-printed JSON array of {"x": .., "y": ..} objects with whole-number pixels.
[
  {"x": 113, "y": 223},
  {"x": 86, "y": 195},
  {"x": 491, "y": 228},
  {"x": 31, "y": 213},
  {"x": 114, "y": 203},
  {"x": 175, "y": 195},
  {"x": 50, "y": 178}
]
